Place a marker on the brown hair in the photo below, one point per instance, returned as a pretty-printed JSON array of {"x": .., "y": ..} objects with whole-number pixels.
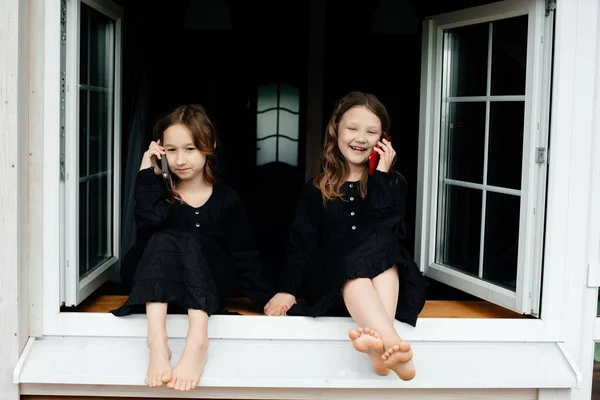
[
  {"x": 335, "y": 166},
  {"x": 196, "y": 120}
]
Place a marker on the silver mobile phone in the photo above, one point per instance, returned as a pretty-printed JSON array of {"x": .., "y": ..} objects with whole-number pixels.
[{"x": 166, "y": 174}]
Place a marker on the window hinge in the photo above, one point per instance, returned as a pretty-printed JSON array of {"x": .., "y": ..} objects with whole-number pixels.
[
  {"x": 593, "y": 275},
  {"x": 540, "y": 155},
  {"x": 550, "y": 6}
]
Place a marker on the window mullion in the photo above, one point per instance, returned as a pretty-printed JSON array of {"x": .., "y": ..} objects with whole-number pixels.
[{"x": 486, "y": 148}]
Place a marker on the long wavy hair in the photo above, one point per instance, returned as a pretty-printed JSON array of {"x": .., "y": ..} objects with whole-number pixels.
[
  {"x": 196, "y": 120},
  {"x": 335, "y": 166}
]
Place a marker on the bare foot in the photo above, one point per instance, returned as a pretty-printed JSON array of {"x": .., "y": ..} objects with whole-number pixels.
[
  {"x": 186, "y": 374},
  {"x": 159, "y": 367},
  {"x": 398, "y": 358},
  {"x": 368, "y": 341}
]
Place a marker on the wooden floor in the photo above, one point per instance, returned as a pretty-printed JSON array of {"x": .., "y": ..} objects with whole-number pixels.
[{"x": 432, "y": 309}]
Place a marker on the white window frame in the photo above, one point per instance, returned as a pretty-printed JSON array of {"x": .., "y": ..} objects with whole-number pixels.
[
  {"x": 532, "y": 194},
  {"x": 555, "y": 301},
  {"x": 76, "y": 289}
]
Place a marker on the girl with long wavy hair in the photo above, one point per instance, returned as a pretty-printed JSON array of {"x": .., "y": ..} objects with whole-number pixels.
[
  {"x": 195, "y": 244},
  {"x": 346, "y": 238}
]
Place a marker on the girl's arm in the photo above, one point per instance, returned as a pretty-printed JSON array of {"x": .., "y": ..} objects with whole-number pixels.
[
  {"x": 386, "y": 198},
  {"x": 151, "y": 207},
  {"x": 303, "y": 240},
  {"x": 242, "y": 248}
]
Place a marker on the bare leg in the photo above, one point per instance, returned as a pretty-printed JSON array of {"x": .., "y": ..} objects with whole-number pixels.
[
  {"x": 159, "y": 367},
  {"x": 387, "y": 286},
  {"x": 186, "y": 374},
  {"x": 366, "y": 308}
]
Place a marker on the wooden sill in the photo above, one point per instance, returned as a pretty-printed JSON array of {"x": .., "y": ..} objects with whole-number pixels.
[{"x": 432, "y": 309}]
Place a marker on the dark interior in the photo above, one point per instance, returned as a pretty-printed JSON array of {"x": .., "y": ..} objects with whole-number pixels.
[{"x": 217, "y": 52}]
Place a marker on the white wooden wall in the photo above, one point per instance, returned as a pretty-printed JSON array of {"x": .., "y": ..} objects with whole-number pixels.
[{"x": 14, "y": 61}]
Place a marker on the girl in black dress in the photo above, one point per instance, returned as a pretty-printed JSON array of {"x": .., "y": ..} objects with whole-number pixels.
[
  {"x": 346, "y": 237},
  {"x": 194, "y": 240}
]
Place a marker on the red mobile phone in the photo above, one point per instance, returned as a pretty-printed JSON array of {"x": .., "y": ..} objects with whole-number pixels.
[{"x": 374, "y": 158}]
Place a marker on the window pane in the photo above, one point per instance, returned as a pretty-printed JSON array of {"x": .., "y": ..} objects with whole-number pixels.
[
  {"x": 95, "y": 233},
  {"x": 84, "y": 45},
  {"x": 459, "y": 230},
  {"x": 465, "y": 60},
  {"x": 100, "y": 135},
  {"x": 289, "y": 98},
  {"x": 99, "y": 42},
  {"x": 266, "y": 151},
  {"x": 509, "y": 56},
  {"x": 83, "y": 132},
  {"x": 465, "y": 135},
  {"x": 501, "y": 242},
  {"x": 266, "y": 124},
  {"x": 288, "y": 124},
  {"x": 505, "y": 145},
  {"x": 96, "y": 138},
  {"x": 267, "y": 97},
  {"x": 288, "y": 151}
]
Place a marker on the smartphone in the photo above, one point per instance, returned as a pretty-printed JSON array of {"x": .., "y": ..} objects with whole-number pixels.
[
  {"x": 374, "y": 158},
  {"x": 165, "y": 173}
]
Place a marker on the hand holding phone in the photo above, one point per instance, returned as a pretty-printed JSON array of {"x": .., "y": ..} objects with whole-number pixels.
[{"x": 374, "y": 158}]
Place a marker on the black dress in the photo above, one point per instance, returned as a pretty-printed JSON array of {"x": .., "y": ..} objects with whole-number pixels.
[
  {"x": 350, "y": 238},
  {"x": 190, "y": 257}
]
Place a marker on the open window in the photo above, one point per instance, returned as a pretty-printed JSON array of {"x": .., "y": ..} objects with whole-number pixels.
[
  {"x": 482, "y": 150},
  {"x": 474, "y": 158},
  {"x": 90, "y": 143}
]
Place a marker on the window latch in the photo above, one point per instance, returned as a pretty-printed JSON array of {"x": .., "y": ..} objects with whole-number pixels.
[
  {"x": 540, "y": 155},
  {"x": 593, "y": 275}
]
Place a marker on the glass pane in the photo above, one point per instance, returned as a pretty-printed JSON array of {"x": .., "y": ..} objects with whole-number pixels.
[
  {"x": 98, "y": 41},
  {"x": 460, "y": 229},
  {"x": 465, "y": 60},
  {"x": 505, "y": 145},
  {"x": 501, "y": 242},
  {"x": 100, "y": 135},
  {"x": 266, "y": 124},
  {"x": 266, "y": 151},
  {"x": 465, "y": 137},
  {"x": 288, "y": 124},
  {"x": 289, "y": 98},
  {"x": 95, "y": 211},
  {"x": 267, "y": 97},
  {"x": 288, "y": 151},
  {"x": 84, "y": 46},
  {"x": 509, "y": 56},
  {"x": 95, "y": 138},
  {"x": 84, "y": 132}
]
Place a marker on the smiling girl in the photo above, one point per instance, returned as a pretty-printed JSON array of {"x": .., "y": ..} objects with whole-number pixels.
[{"x": 346, "y": 238}]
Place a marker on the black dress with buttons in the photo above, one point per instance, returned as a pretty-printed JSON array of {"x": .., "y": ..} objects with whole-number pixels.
[
  {"x": 347, "y": 239},
  {"x": 190, "y": 257}
]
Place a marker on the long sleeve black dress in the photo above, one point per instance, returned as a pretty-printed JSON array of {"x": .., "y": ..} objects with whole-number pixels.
[
  {"x": 350, "y": 238},
  {"x": 191, "y": 257}
]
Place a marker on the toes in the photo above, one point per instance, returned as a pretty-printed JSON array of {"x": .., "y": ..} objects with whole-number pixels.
[
  {"x": 171, "y": 383},
  {"x": 352, "y": 334},
  {"x": 194, "y": 383},
  {"x": 361, "y": 331},
  {"x": 177, "y": 385},
  {"x": 166, "y": 377},
  {"x": 188, "y": 385}
]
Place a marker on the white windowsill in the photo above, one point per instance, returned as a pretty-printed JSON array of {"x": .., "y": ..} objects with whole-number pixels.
[
  {"x": 302, "y": 328},
  {"x": 100, "y": 365}
]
